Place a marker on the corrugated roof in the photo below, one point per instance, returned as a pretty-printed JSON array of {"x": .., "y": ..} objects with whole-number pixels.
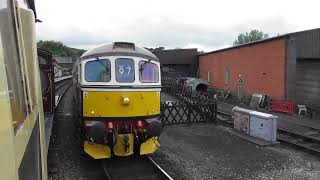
[{"x": 257, "y": 42}]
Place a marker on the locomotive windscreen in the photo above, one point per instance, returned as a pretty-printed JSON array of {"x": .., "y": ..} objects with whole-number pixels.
[
  {"x": 98, "y": 71},
  {"x": 124, "y": 70},
  {"x": 149, "y": 72}
]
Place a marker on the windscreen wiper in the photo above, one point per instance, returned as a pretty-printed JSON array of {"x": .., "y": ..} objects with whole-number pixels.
[{"x": 99, "y": 60}]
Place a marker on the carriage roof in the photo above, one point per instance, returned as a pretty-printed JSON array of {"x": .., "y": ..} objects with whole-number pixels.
[{"x": 119, "y": 49}]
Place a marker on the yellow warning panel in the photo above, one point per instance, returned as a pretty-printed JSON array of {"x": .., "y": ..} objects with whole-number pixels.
[
  {"x": 97, "y": 151},
  {"x": 150, "y": 146},
  {"x": 121, "y": 104},
  {"x": 124, "y": 145}
]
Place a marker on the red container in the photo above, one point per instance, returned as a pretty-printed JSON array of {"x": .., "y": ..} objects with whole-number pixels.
[{"x": 282, "y": 106}]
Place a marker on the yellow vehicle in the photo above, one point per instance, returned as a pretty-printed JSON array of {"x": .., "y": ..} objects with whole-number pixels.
[
  {"x": 22, "y": 132},
  {"x": 117, "y": 100}
]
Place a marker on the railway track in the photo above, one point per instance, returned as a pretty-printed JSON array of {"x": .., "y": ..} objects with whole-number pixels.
[
  {"x": 61, "y": 83},
  {"x": 134, "y": 168},
  {"x": 60, "y": 89},
  {"x": 303, "y": 137}
]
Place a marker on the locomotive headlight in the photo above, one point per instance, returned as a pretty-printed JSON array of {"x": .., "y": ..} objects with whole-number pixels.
[{"x": 125, "y": 100}]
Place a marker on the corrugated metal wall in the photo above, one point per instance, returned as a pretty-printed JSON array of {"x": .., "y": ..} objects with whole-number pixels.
[
  {"x": 291, "y": 69},
  {"x": 307, "y": 67},
  {"x": 308, "y": 82},
  {"x": 308, "y": 43}
]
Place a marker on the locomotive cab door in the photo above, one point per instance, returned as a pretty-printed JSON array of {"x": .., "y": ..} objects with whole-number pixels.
[{"x": 47, "y": 79}]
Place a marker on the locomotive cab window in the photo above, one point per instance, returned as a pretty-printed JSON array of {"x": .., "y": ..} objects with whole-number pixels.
[
  {"x": 98, "y": 71},
  {"x": 124, "y": 70},
  {"x": 149, "y": 72}
]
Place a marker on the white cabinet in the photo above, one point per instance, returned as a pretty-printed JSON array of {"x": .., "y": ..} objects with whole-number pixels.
[
  {"x": 256, "y": 124},
  {"x": 241, "y": 120},
  {"x": 263, "y": 126}
]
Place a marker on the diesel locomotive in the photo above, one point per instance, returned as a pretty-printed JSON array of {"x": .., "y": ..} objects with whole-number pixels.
[{"x": 117, "y": 100}]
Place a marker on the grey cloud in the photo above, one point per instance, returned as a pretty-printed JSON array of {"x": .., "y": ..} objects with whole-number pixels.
[{"x": 168, "y": 33}]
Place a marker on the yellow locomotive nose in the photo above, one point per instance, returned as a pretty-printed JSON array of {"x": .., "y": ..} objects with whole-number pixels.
[{"x": 125, "y": 101}]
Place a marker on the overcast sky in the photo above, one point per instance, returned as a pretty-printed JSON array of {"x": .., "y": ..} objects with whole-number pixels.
[{"x": 203, "y": 24}]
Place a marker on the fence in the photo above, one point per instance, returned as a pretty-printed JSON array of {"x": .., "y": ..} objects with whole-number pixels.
[
  {"x": 176, "y": 113},
  {"x": 193, "y": 106}
]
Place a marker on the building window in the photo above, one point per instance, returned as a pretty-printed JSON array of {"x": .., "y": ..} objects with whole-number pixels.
[
  {"x": 227, "y": 76},
  {"x": 209, "y": 75}
]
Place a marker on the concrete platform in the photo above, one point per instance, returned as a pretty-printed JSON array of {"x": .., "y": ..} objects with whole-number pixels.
[{"x": 206, "y": 151}]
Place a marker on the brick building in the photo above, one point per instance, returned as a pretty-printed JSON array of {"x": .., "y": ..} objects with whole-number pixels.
[{"x": 283, "y": 67}]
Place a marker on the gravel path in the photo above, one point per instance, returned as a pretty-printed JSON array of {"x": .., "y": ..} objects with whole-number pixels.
[{"x": 206, "y": 151}]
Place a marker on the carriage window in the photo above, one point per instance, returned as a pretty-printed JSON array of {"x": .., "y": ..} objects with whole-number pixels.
[
  {"x": 149, "y": 72},
  {"x": 13, "y": 66},
  {"x": 124, "y": 70},
  {"x": 98, "y": 71}
]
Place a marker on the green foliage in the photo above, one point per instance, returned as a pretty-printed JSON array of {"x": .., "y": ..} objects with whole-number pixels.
[
  {"x": 59, "y": 49},
  {"x": 247, "y": 37}
]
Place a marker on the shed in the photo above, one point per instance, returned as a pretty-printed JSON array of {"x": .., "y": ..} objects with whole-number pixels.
[
  {"x": 178, "y": 62},
  {"x": 284, "y": 67}
]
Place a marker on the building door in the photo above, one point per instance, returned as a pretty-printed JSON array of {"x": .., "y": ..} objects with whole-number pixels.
[{"x": 308, "y": 82}]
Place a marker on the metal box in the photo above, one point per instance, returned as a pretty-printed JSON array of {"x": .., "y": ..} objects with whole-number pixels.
[
  {"x": 255, "y": 124},
  {"x": 263, "y": 126},
  {"x": 241, "y": 118}
]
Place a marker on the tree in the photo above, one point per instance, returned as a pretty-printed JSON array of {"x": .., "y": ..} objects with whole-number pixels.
[
  {"x": 247, "y": 37},
  {"x": 59, "y": 49}
]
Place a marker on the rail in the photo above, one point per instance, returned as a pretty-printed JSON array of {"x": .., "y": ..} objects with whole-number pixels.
[
  {"x": 163, "y": 172},
  {"x": 56, "y": 80},
  {"x": 309, "y": 142},
  {"x": 138, "y": 167},
  {"x": 59, "y": 93},
  {"x": 60, "y": 88}
]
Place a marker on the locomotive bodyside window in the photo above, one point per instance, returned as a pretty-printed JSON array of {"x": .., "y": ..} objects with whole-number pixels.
[
  {"x": 124, "y": 70},
  {"x": 149, "y": 72},
  {"x": 98, "y": 71}
]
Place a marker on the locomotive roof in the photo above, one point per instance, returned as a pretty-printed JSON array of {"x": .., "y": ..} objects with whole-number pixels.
[{"x": 119, "y": 49}]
